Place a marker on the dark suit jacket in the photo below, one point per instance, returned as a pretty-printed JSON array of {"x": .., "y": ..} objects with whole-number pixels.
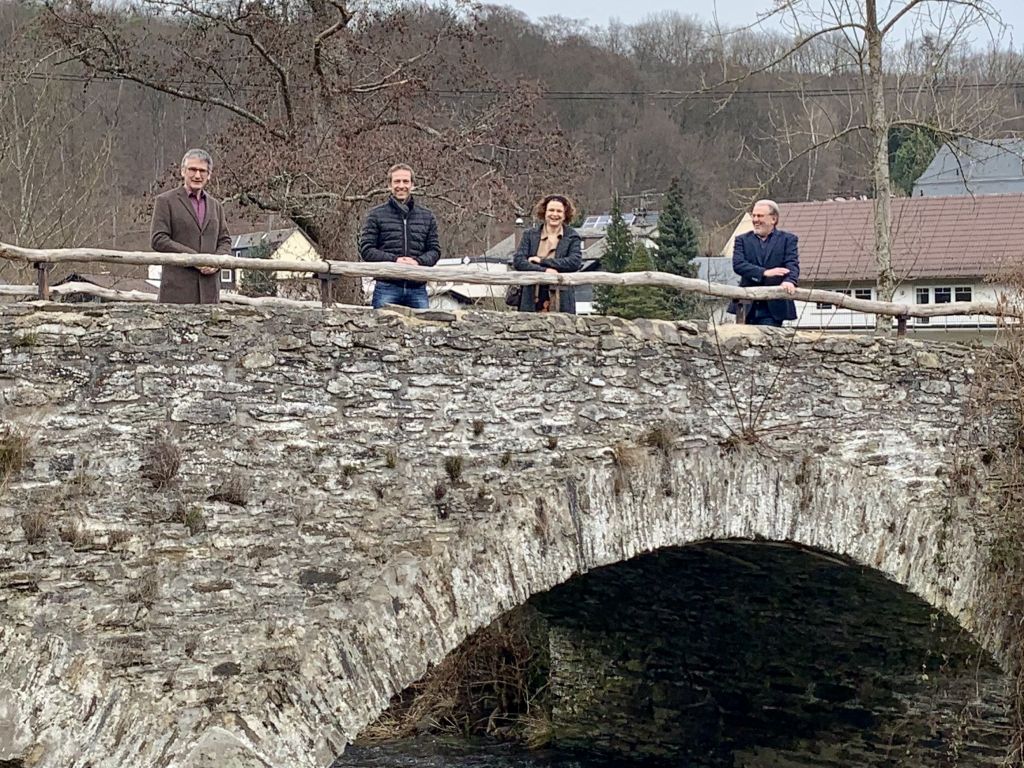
[
  {"x": 568, "y": 257},
  {"x": 175, "y": 229},
  {"x": 750, "y": 265}
]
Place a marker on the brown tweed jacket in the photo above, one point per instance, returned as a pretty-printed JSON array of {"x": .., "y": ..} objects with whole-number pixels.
[{"x": 175, "y": 229}]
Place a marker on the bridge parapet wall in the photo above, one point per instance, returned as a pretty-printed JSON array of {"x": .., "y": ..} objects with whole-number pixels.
[{"x": 358, "y": 491}]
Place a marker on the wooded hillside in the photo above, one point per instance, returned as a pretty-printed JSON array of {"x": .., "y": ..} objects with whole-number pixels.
[{"x": 305, "y": 106}]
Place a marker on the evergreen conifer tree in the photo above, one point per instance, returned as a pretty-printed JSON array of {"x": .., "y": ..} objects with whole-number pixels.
[
  {"x": 635, "y": 301},
  {"x": 678, "y": 244},
  {"x": 253, "y": 282},
  {"x": 618, "y": 242}
]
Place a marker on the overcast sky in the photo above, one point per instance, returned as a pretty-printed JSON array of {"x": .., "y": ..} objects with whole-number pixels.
[{"x": 730, "y": 13}]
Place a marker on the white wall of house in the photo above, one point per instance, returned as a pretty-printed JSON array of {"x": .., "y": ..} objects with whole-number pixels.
[
  {"x": 919, "y": 292},
  {"x": 295, "y": 248},
  {"x": 446, "y": 302}
]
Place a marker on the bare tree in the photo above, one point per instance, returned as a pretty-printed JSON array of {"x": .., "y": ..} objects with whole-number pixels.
[
  {"x": 324, "y": 95},
  {"x": 879, "y": 86},
  {"x": 55, "y": 150}
]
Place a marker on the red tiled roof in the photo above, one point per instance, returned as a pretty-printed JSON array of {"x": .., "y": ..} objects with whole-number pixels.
[{"x": 932, "y": 237}]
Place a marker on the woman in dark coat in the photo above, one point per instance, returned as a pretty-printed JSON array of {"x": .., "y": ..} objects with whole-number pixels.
[{"x": 550, "y": 247}]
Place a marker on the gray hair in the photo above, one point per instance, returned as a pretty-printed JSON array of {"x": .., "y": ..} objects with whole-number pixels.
[
  {"x": 198, "y": 154},
  {"x": 772, "y": 206}
]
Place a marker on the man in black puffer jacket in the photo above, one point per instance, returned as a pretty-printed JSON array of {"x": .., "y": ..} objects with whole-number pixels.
[{"x": 402, "y": 232}]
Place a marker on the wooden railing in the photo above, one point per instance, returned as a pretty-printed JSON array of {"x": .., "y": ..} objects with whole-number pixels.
[{"x": 327, "y": 271}]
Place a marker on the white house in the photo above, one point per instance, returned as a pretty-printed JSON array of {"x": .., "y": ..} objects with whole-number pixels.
[
  {"x": 279, "y": 244},
  {"x": 452, "y": 294}
]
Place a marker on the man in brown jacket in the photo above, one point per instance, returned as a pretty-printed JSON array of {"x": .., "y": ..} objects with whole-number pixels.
[{"x": 188, "y": 220}]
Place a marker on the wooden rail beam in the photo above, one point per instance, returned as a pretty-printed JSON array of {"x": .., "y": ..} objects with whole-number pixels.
[{"x": 473, "y": 276}]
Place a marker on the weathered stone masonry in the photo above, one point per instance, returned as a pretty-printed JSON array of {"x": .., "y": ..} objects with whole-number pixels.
[{"x": 410, "y": 479}]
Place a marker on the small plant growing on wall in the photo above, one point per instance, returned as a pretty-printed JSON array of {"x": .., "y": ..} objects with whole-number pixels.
[
  {"x": 161, "y": 462},
  {"x": 25, "y": 339},
  {"x": 13, "y": 451},
  {"x": 440, "y": 491},
  {"x": 624, "y": 460},
  {"x": 74, "y": 534},
  {"x": 147, "y": 588},
  {"x": 191, "y": 517},
  {"x": 35, "y": 525},
  {"x": 234, "y": 490},
  {"x": 660, "y": 437},
  {"x": 117, "y": 537},
  {"x": 453, "y": 467}
]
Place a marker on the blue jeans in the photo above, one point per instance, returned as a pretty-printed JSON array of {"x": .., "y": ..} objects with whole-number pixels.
[{"x": 403, "y": 294}]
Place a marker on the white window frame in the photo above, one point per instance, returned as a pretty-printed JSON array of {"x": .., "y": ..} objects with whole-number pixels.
[{"x": 825, "y": 305}]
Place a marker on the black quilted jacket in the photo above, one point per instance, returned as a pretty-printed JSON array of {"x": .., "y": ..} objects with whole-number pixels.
[{"x": 396, "y": 229}]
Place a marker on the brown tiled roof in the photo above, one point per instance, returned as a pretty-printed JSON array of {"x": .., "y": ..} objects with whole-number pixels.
[{"x": 933, "y": 237}]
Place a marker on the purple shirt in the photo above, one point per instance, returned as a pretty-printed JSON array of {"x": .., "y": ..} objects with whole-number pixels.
[{"x": 198, "y": 201}]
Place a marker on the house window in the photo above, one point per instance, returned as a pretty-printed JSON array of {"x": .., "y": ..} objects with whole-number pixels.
[
  {"x": 227, "y": 276},
  {"x": 826, "y": 305},
  {"x": 943, "y": 295},
  {"x": 923, "y": 296},
  {"x": 962, "y": 293},
  {"x": 862, "y": 293}
]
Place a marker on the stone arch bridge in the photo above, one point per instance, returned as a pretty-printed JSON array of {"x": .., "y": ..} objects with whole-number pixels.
[{"x": 231, "y": 535}]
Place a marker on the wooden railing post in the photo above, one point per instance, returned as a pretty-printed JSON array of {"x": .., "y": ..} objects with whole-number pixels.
[
  {"x": 901, "y": 325},
  {"x": 327, "y": 281},
  {"x": 43, "y": 279},
  {"x": 742, "y": 311}
]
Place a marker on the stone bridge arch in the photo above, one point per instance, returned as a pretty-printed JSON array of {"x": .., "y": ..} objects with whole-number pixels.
[
  {"x": 408, "y": 479},
  {"x": 611, "y": 514}
]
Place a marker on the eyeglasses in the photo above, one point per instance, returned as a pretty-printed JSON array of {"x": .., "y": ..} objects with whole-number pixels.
[{"x": 194, "y": 171}]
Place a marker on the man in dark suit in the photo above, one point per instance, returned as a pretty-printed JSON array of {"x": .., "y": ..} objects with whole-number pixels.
[
  {"x": 188, "y": 220},
  {"x": 767, "y": 256}
]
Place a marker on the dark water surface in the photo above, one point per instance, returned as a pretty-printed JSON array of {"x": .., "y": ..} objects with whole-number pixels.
[{"x": 431, "y": 752}]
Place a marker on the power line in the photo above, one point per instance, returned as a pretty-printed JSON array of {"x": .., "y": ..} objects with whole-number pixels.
[{"x": 557, "y": 95}]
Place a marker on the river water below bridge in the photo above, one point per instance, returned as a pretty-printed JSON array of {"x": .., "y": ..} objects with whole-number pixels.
[{"x": 431, "y": 752}]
